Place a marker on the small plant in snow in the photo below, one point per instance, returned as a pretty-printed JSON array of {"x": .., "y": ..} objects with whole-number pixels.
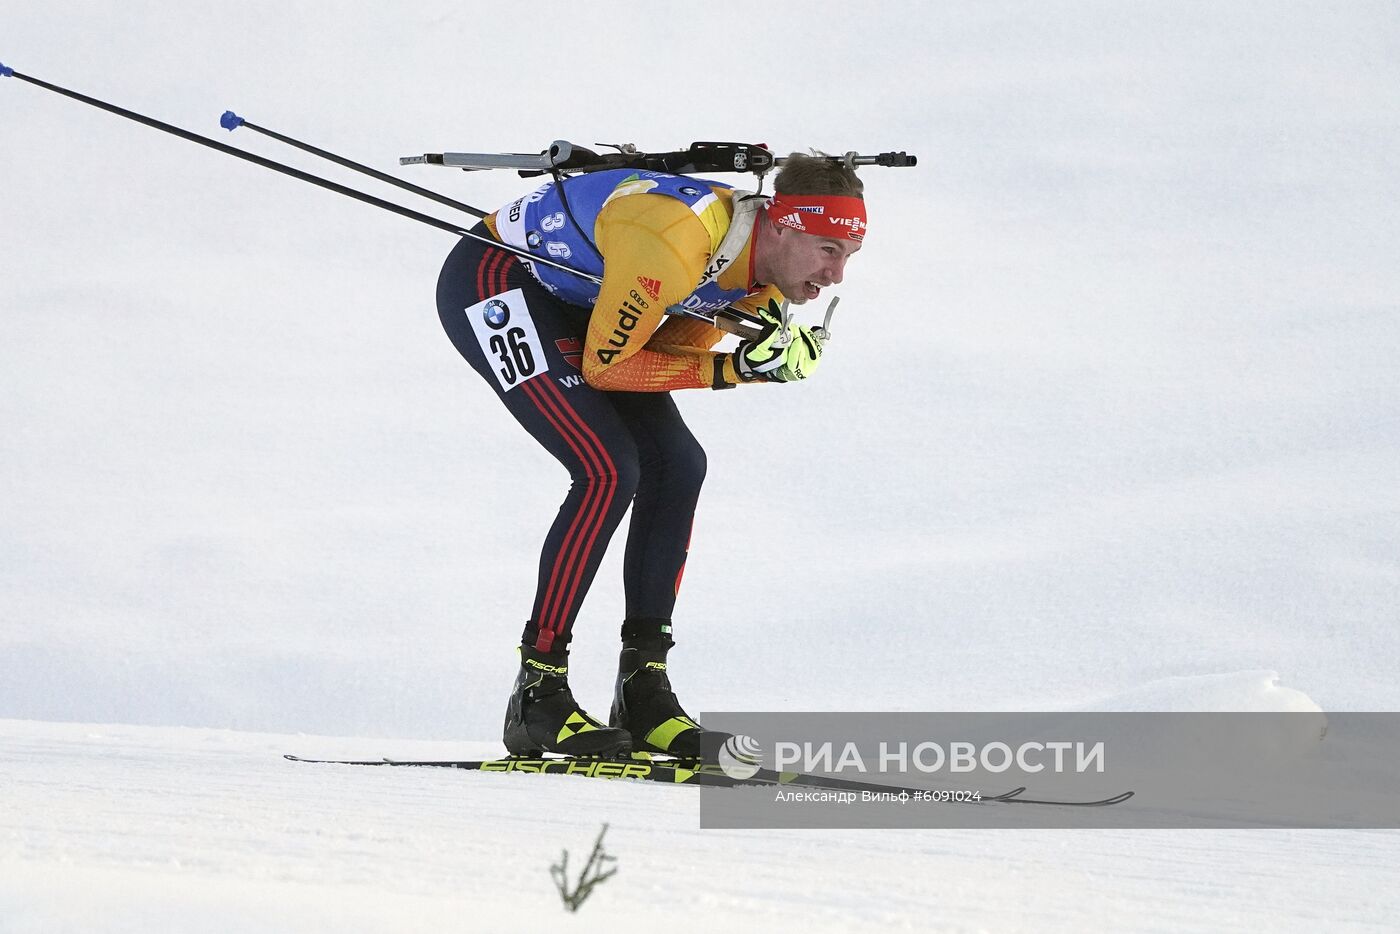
[{"x": 591, "y": 876}]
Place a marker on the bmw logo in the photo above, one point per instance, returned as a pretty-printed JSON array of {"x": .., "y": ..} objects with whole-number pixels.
[
  {"x": 496, "y": 314},
  {"x": 690, "y": 192},
  {"x": 533, "y": 239}
]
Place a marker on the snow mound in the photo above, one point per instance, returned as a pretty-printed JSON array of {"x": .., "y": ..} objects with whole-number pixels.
[
  {"x": 1276, "y": 739},
  {"x": 1235, "y": 691}
]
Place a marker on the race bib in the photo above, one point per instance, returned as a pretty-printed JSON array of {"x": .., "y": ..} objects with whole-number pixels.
[{"x": 507, "y": 334}]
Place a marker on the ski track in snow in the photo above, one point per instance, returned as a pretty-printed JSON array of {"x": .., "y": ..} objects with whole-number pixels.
[{"x": 124, "y": 828}]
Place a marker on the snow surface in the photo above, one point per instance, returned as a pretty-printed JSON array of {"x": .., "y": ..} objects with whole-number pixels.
[
  {"x": 128, "y": 828},
  {"x": 1111, "y": 417}
]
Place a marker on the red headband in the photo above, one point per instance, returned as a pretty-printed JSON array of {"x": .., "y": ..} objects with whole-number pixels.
[{"x": 839, "y": 216}]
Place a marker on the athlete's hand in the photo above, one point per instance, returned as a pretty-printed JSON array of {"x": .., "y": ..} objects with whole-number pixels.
[{"x": 783, "y": 353}]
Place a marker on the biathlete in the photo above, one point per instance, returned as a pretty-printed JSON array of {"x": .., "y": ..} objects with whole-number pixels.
[{"x": 588, "y": 370}]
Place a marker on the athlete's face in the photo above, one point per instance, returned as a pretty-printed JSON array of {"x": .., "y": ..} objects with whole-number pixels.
[{"x": 801, "y": 264}]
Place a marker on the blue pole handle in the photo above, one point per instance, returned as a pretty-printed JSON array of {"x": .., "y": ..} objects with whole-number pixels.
[
  {"x": 6, "y": 71},
  {"x": 230, "y": 121}
]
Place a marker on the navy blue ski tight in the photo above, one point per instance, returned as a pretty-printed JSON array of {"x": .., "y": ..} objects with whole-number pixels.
[{"x": 620, "y": 448}]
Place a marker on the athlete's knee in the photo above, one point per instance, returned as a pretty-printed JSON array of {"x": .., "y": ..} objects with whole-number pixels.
[
  {"x": 627, "y": 473},
  {"x": 686, "y": 464},
  {"x": 616, "y": 472}
]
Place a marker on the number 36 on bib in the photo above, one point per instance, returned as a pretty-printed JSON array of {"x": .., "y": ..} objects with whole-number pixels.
[{"x": 507, "y": 335}]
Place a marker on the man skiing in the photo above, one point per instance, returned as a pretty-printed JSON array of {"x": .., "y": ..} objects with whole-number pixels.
[{"x": 587, "y": 370}]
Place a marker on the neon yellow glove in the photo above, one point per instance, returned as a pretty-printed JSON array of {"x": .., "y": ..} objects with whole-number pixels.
[{"x": 783, "y": 353}]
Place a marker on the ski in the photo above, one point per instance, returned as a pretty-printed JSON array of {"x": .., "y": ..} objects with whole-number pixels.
[
  {"x": 1100, "y": 803},
  {"x": 671, "y": 773},
  {"x": 696, "y": 772},
  {"x": 699, "y": 772}
]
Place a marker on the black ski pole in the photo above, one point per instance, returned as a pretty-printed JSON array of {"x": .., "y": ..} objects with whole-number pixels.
[
  {"x": 240, "y": 154},
  {"x": 231, "y": 121},
  {"x": 329, "y": 185},
  {"x": 725, "y": 323}
]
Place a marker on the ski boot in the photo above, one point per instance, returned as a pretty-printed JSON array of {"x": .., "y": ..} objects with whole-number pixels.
[
  {"x": 645, "y": 706},
  {"x": 543, "y": 716}
]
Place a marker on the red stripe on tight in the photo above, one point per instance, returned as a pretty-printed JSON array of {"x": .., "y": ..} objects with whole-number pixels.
[
  {"x": 504, "y": 273},
  {"x": 596, "y": 516},
  {"x": 589, "y": 514},
  {"x": 489, "y": 259},
  {"x": 610, "y": 470},
  {"x": 589, "y": 465},
  {"x": 496, "y": 264},
  {"x": 598, "y": 467},
  {"x": 689, "y": 536},
  {"x": 494, "y": 269}
]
